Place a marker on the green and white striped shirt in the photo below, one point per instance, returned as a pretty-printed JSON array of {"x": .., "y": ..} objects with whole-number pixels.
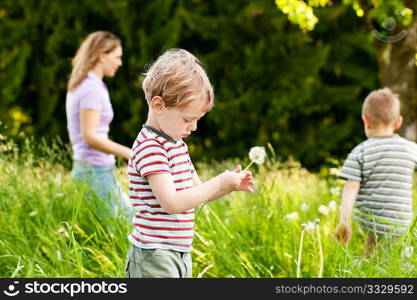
[{"x": 384, "y": 166}]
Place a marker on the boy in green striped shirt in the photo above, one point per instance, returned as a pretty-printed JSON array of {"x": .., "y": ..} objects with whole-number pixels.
[{"x": 379, "y": 174}]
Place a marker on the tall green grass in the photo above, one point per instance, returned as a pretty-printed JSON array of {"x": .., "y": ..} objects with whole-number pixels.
[{"x": 48, "y": 228}]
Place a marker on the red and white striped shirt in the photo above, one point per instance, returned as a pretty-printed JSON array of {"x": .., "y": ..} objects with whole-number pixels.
[{"x": 153, "y": 227}]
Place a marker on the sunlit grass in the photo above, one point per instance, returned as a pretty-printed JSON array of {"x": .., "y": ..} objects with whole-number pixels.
[{"x": 49, "y": 229}]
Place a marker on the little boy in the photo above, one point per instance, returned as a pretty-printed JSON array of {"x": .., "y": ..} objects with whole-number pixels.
[
  {"x": 379, "y": 174},
  {"x": 163, "y": 185}
]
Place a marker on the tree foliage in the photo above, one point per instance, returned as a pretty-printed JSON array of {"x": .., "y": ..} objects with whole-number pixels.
[
  {"x": 393, "y": 25},
  {"x": 302, "y": 13},
  {"x": 299, "y": 91}
]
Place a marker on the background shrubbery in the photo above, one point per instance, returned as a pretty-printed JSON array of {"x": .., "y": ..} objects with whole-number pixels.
[{"x": 301, "y": 92}]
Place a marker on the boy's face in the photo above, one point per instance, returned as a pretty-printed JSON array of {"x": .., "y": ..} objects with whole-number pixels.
[{"x": 179, "y": 122}]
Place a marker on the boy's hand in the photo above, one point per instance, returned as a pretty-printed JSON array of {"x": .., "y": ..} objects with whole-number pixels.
[
  {"x": 344, "y": 232},
  {"x": 247, "y": 181},
  {"x": 236, "y": 180}
]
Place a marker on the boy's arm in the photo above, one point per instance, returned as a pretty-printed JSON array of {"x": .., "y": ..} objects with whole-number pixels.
[
  {"x": 197, "y": 181},
  {"x": 173, "y": 201},
  {"x": 350, "y": 192},
  {"x": 196, "y": 178}
]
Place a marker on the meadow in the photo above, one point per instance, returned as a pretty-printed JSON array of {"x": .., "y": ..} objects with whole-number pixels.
[{"x": 49, "y": 229}]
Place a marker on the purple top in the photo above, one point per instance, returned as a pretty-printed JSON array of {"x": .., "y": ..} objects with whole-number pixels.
[{"x": 91, "y": 93}]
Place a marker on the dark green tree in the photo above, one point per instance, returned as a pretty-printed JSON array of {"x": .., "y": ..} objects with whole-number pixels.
[
  {"x": 393, "y": 26},
  {"x": 301, "y": 92}
]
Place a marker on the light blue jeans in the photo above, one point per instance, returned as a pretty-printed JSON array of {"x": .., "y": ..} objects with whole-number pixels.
[{"x": 103, "y": 183}]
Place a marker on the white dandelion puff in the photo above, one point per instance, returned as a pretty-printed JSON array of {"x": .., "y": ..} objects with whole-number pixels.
[
  {"x": 324, "y": 210},
  {"x": 332, "y": 205},
  {"x": 256, "y": 155},
  {"x": 335, "y": 191},
  {"x": 292, "y": 216},
  {"x": 304, "y": 207},
  {"x": 310, "y": 226},
  {"x": 408, "y": 251}
]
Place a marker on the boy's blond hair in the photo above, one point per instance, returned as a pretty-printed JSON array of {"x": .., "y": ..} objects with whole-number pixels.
[
  {"x": 381, "y": 107},
  {"x": 178, "y": 77}
]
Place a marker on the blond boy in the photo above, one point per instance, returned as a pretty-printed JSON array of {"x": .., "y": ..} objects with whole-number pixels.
[
  {"x": 379, "y": 174},
  {"x": 163, "y": 184}
]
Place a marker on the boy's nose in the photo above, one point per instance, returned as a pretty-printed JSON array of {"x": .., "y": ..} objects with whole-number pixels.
[{"x": 193, "y": 126}]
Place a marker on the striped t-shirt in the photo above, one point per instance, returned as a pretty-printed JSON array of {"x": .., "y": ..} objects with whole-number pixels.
[
  {"x": 153, "y": 227},
  {"x": 384, "y": 166}
]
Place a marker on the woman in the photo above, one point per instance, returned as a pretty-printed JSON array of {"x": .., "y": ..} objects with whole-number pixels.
[{"x": 89, "y": 114}]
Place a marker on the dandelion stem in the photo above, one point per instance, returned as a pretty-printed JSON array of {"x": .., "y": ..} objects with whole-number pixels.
[
  {"x": 248, "y": 165},
  {"x": 320, "y": 275},
  {"x": 299, "y": 254}
]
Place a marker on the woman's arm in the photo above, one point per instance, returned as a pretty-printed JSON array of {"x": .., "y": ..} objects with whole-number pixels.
[{"x": 89, "y": 120}]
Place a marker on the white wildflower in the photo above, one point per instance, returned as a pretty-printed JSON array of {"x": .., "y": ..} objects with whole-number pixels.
[
  {"x": 408, "y": 251},
  {"x": 257, "y": 154},
  {"x": 58, "y": 178},
  {"x": 310, "y": 226},
  {"x": 304, "y": 207},
  {"x": 335, "y": 191},
  {"x": 332, "y": 205},
  {"x": 292, "y": 216},
  {"x": 324, "y": 210},
  {"x": 33, "y": 213}
]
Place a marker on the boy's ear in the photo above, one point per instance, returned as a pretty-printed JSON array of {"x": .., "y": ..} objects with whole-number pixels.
[
  {"x": 157, "y": 104},
  {"x": 366, "y": 122},
  {"x": 398, "y": 123}
]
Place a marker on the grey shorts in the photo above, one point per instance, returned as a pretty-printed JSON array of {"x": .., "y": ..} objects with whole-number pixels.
[{"x": 157, "y": 263}]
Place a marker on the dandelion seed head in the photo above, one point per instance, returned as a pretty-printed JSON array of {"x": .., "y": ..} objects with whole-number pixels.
[
  {"x": 292, "y": 216},
  {"x": 332, "y": 205},
  {"x": 408, "y": 251},
  {"x": 323, "y": 210},
  {"x": 304, "y": 207},
  {"x": 309, "y": 226},
  {"x": 257, "y": 154},
  {"x": 335, "y": 191}
]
